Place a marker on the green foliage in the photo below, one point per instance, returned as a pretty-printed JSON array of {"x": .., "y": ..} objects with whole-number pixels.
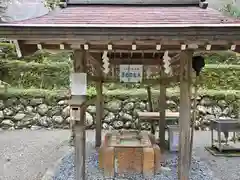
[
  {"x": 34, "y": 93},
  {"x": 50, "y": 95},
  {"x": 38, "y": 75},
  {"x": 224, "y": 57},
  {"x": 7, "y": 50},
  {"x": 231, "y": 9},
  {"x": 91, "y": 91},
  {"x": 229, "y": 95},
  {"x": 52, "y": 75},
  {"x": 171, "y": 92},
  {"x": 51, "y": 71},
  {"x": 222, "y": 77},
  {"x": 52, "y": 4}
]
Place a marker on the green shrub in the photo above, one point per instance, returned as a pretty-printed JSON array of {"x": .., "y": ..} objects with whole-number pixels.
[
  {"x": 38, "y": 75},
  {"x": 51, "y": 71},
  {"x": 224, "y": 57},
  {"x": 219, "y": 77},
  {"x": 53, "y": 75},
  {"x": 7, "y": 50}
]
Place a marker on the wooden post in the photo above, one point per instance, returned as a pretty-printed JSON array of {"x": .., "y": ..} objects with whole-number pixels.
[
  {"x": 99, "y": 114},
  {"x": 79, "y": 58},
  {"x": 162, "y": 111},
  {"x": 99, "y": 104},
  {"x": 193, "y": 118},
  {"x": 185, "y": 116},
  {"x": 150, "y": 107}
]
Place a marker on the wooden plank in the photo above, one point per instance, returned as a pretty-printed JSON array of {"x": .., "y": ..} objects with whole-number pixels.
[
  {"x": 191, "y": 34},
  {"x": 156, "y": 115},
  {"x": 79, "y": 63},
  {"x": 162, "y": 113},
  {"x": 184, "y": 121},
  {"x": 165, "y": 80},
  {"x": 124, "y": 49}
]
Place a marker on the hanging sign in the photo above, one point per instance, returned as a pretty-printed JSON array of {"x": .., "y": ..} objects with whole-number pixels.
[{"x": 131, "y": 73}]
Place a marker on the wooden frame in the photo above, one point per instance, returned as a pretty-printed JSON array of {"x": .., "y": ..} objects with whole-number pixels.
[{"x": 146, "y": 40}]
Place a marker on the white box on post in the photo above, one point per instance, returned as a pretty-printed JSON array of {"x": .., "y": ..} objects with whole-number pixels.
[
  {"x": 78, "y": 86},
  {"x": 75, "y": 112}
]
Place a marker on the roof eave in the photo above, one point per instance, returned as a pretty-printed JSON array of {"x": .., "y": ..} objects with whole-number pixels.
[
  {"x": 121, "y": 25},
  {"x": 182, "y": 32}
]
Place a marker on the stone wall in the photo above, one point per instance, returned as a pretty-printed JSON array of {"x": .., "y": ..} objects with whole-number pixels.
[{"x": 119, "y": 112}]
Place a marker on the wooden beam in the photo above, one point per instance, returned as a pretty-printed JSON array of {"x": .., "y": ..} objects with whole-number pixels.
[
  {"x": 162, "y": 111},
  {"x": 165, "y": 80},
  {"x": 185, "y": 117},
  {"x": 126, "y": 46},
  {"x": 79, "y": 58},
  {"x": 190, "y": 33}
]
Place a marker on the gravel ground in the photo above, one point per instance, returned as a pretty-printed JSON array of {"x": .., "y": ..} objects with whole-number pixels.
[
  {"x": 26, "y": 154},
  {"x": 66, "y": 170},
  {"x": 205, "y": 166},
  {"x": 224, "y": 168}
]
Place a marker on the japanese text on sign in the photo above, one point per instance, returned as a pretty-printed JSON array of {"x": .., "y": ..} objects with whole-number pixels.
[{"x": 131, "y": 73}]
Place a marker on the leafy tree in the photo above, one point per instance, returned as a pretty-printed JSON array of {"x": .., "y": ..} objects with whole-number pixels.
[
  {"x": 231, "y": 9},
  {"x": 3, "y": 6},
  {"x": 52, "y": 4}
]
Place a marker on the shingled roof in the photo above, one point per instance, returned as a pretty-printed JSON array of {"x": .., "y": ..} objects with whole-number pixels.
[
  {"x": 132, "y": 14},
  {"x": 96, "y": 14}
]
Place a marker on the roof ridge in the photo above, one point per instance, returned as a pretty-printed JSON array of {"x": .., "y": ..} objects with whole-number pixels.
[{"x": 64, "y": 3}]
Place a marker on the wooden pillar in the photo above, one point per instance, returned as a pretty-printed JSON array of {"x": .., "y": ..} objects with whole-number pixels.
[
  {"x": 185, "y": 114},
  {"x": 150, "y": 107},
  {"x": 79, "y": 58},
  {"x": 99, "y": 103},
  {"x": 99, "y": 114},
  {"x": 162, "y": 111},
  {"x": 194, "y": 117}
]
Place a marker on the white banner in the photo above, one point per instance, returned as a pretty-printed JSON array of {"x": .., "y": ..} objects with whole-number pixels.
[
  {"x": 131, "y": 73},
  {"x": 78, "y": 83}
]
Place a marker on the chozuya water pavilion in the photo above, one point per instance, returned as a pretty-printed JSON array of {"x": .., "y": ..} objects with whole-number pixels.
[{"x": 128, "y": 32}]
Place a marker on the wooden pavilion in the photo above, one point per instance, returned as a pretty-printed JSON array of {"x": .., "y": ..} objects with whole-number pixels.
[{"x": 131, "y": 32}]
